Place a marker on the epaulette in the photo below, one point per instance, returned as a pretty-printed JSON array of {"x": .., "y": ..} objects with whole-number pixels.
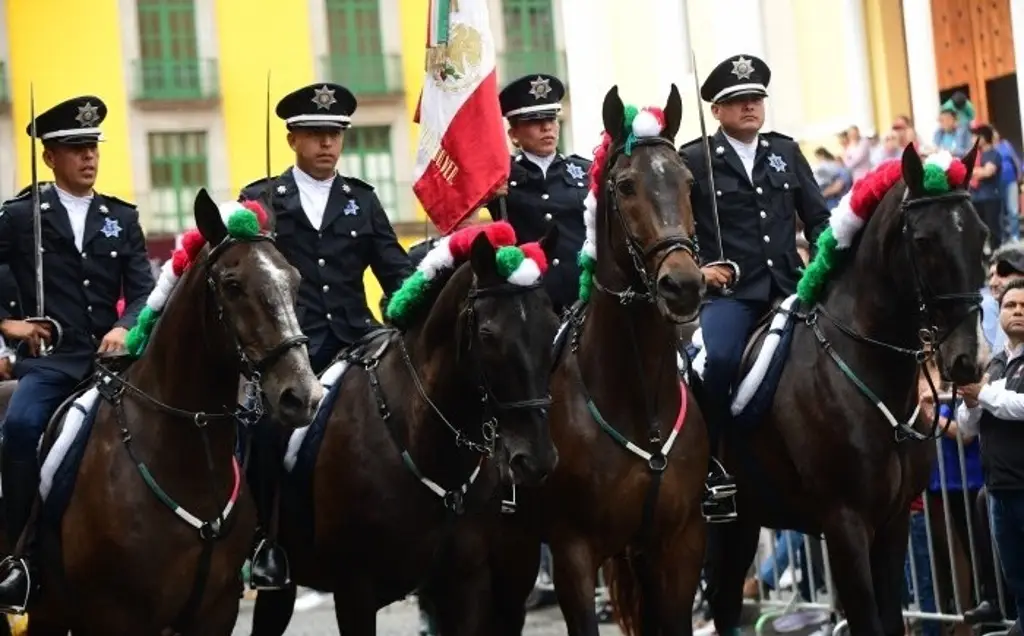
[
  {"x": 576, "y": 157},
  {"x": 257, "y": 182},
  {"x": 110, "y": 197},
  {"x": 695, "y": 141},
  {"x": 352, "y": 181},
  {"x": 776, "y": 135},
  {"x": 26, "y": 192}
]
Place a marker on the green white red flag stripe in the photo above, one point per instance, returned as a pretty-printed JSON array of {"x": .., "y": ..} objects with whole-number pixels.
[{"x": 462, "y": 157}]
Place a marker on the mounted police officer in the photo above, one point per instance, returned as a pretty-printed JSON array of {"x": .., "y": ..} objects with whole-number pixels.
[
  {"x": 762, "y": 183},
  {"x": 331, "y": 228},
  {"x": 94, "y": 249},
  {"x": 545, "y": 187}
]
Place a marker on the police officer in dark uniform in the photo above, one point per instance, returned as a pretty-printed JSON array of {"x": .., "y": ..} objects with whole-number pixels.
[
  {"x": 331, "y": 228},
  {"x": 10, "y": 300},
  {"x": 762, "y": 184},
  {"x": 94, "y": 249},
  {"x": 545, "y": 188}
]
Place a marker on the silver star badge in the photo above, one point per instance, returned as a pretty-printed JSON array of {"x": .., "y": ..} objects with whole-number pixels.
[
  {"x": 281, "y": 189},
  {"x": 776, "y": 162},
  {"x": 576, "y": 172},
  {"x": 87, "y": 115},
  {"x": 742, "y": 68},
  {"x": 540, "y": 87},
  {"x": 323, "y": 97}
]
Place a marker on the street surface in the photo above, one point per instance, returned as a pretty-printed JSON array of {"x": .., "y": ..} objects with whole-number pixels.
[{"x": 314, "y": 616}]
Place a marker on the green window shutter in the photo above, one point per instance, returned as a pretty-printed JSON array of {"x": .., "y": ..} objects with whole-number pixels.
[
  {"x": 356, "y": 59},
  {"x": 169, "y": 65},
  {"x": 178, "y": 168},
  {"x": 529, "y": 39},
  {"x": 367, "y": 156}
]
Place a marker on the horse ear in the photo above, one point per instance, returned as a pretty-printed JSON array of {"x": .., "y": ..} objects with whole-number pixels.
[
  {"x": 208, "y": 220},
  {"x": 673, "y": 114},
  {"x": 614, "y": 113},
  {"x": 969, "y": 161},
  {"x": 913, "y": 169},
  {"x": 549, "y": 241},
  {"x": 481, "y": 259}
]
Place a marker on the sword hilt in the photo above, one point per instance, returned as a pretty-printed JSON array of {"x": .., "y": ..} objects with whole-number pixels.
[
  {"x": 727, "y": 289},
  {"x": 56, "y": 334}
]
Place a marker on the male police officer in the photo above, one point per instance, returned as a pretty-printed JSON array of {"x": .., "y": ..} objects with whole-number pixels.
[
  {"x": 331, "y": 228},
  {"x": 545, "y": 188},
  {"x": 760, "y": 181},
  {"x": 94, "y": 248}
]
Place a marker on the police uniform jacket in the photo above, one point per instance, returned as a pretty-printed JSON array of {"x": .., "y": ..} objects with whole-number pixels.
[
  {"x": 10, "y": 297},
  {"x": 536, "y": 201},
  {"x": 757, "y": 216},
  {"x": 81, "y": 288},
  {"x": 355, "y": 234}
]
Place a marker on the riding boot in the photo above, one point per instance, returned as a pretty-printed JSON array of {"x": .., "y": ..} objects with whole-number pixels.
[
  {"x": 269, "y": 569},
  {"x": 719, "y": 503},
  {"x": 20, "y": 483}
]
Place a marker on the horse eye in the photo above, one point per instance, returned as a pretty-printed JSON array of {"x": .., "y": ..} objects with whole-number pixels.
[{"x": 625, "y": 187}]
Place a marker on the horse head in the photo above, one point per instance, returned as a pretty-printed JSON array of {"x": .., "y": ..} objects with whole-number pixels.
[
  {"x": 253, "y": 291},
  {"x": 645, "y": 219},
  {"x": 922, "y": 259},
  {"x": 485, "y": 343}
]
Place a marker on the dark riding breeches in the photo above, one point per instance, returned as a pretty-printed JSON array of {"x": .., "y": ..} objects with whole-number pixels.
[
  {"x": 38, "y": 394},
  {"x": 725, "y": 324}
]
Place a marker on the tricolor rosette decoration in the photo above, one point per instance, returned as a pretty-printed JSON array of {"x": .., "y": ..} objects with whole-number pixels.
[
  {"x": 522, "y": 265},
  {"x": 243, "y": 221},
  {"x": 637, "y": 124},
  {"x": 942, "y": 173}
]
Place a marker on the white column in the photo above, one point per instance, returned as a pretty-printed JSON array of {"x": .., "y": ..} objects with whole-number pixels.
[
  {"x": 857, "y": 71},
  {"x": 786, "y": 97},
  {"x": 670, "y": 42},
  {"x": 589, "y": 64},
  {"x": 739, "y": 28},
  {"x": 924, "y": 78},
  {"x": 1017, "y": 26}
]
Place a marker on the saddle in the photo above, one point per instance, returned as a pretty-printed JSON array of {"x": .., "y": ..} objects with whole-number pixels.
[{"x": 369, "y": 348}]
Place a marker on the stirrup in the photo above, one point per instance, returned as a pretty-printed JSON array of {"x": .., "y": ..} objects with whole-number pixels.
[
  {"x": 260, "y": 547},
  {"x": 8, "y": 564},
  {"x": 719, "y": 491},
  {"x": 719, "y": 511}
]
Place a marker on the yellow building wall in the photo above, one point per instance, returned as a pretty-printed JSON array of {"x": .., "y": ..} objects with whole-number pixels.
[
  {"x": 247, "y": 52},
  {"x": 89, "y": 33},
  {"x": 887, "y": 51}
]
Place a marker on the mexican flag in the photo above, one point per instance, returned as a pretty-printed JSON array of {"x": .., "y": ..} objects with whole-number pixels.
[{"x": 462, "y": 157}]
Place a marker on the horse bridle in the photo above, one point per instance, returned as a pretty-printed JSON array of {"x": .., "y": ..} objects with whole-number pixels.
[
  {"x": 639, "y": 253},
  {"x": 493, "y": 406},
  {"x": 112, "y": 385},
  {"x": 929, "y": 335}
]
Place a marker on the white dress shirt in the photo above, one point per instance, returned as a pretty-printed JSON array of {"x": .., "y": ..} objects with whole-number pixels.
[
  {"x": 313, "y": 194},
  {"x": 746, "y": 152},
  {"x": 541, "y": 162},
  {"x": 78, "y": 209},
  {"x": 994, "y": 398}
]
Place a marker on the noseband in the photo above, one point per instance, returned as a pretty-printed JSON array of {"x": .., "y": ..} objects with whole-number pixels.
[{"x": 638, "y": 252}]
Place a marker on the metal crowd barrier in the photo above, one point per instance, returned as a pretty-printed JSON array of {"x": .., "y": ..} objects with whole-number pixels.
[{"x": 781, "y": 605}]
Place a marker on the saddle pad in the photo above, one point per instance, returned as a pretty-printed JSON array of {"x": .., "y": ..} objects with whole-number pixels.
[
  {"x": 330, "y": 379},
  {"x": 780, "y": 327},
  {"x": 78, "y": 417}
]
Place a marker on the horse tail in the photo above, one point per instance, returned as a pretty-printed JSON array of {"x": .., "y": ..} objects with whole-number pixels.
[{"x": 625, "y": 590}]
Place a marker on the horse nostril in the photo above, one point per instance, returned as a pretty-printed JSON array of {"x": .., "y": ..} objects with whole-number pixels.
[
  {"x": 290, "y": 401},
  {"x": 526, "y": 468},
  {"x": 669, "y": 287}
]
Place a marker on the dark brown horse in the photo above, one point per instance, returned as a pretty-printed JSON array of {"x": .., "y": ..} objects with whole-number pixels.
[
  {"x": 826, "y": 459},
  {"x": 629, "y": 482},
  {"x": 125, "y": 559},
  {"x": 407, "y": 452}
]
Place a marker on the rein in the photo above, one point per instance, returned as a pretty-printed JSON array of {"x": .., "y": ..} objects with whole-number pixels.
[
  {"x": 930, "y": 337},
  {"x": 493, "y": 406},
  {"x": 113, "y": 387},
  {"x": 638, "y": 253}
]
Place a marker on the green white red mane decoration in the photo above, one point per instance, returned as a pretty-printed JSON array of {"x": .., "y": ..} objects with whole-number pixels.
[
  {"x": 522, "y": 265},
  {"x": 942, "y": 173},
  {"x": 637, "y": 124},
  {"x": 243, "y": 221}
]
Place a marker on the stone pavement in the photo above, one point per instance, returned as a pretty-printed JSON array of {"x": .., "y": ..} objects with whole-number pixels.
[{"x": 314, "y": 616}]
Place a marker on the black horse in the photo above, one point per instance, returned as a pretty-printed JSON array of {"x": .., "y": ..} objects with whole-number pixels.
[{"x": 827, "y": 459}]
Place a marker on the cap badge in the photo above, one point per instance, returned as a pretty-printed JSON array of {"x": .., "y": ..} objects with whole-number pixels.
[
  {"x": 87, "y": 115},
  {"x": 742, "y": 68},
  {"x": 776, "y": 162},
  {"x": 540, "y": 87},
  {"x": 323, "y": 97}
]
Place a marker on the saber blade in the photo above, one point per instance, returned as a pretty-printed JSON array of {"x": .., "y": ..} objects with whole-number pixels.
[
  {"x": 37, "y": 215},
  {"x": 707, "y": 157}
]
